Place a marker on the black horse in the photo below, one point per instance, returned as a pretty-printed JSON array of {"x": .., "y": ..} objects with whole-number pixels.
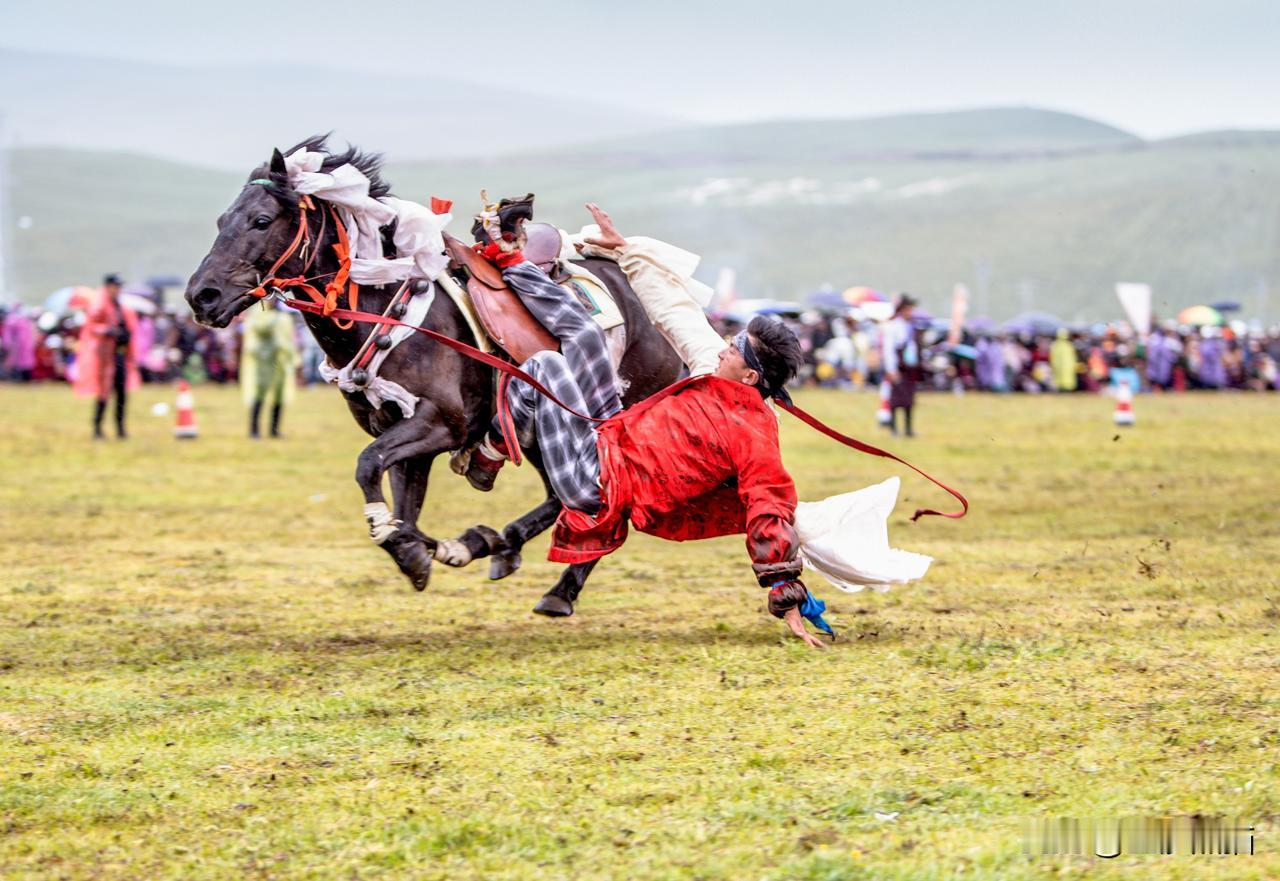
[{"x": 455, "y": 393}]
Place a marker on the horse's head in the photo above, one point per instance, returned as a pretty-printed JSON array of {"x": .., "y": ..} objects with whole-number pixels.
[
  {"x": 252, "y": 233},
  {"x": 256, "y": 230}
]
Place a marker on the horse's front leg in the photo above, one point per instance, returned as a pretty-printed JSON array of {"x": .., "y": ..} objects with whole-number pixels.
[
  {"x": 411, "y": 548},
  {"x": 414, "y": 442}
]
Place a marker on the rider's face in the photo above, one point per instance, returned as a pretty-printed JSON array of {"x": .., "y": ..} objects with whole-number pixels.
[{"x": 734, "y": 367}]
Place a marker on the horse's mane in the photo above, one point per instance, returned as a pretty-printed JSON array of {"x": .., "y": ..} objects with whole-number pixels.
[{"x": 370, "y": 164}]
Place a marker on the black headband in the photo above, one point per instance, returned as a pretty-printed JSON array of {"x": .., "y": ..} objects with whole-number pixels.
[{"x": 742, "y": 342}]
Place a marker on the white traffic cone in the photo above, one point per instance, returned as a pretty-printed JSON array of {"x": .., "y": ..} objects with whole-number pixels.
[
  {"x": 884, "y": 415},
  {"x": 1124, "y": 404},
  {"x": 185, "y": 427}
]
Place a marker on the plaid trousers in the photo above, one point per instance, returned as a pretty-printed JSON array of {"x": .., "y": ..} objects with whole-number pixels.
[
  {"x": 581, "y": 339},
  {"x": 580, "y": 374},
  {"x": 567, "y": 442}
]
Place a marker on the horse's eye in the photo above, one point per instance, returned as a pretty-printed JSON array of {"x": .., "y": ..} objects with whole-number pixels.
[{"x": 262, "y": 221}]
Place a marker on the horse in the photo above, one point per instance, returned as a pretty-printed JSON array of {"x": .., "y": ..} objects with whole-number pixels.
[{"x": 455, "y": 394}]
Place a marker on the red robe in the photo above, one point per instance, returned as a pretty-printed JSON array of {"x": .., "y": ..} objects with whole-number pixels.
[{"x": 697, "y": 460}]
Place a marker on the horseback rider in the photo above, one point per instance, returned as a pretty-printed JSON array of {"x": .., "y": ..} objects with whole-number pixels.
[{"x": 697, "y": 460}]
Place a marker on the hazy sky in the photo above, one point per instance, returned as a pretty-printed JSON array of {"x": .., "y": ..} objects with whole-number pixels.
[{"x": 1155, "y": 67}]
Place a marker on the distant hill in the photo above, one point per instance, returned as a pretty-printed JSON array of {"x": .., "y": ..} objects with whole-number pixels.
[
  {"x": 971, "y": 133},
  {"x": 1029, "y": 208},
  {"x": 223, "y": 116}
]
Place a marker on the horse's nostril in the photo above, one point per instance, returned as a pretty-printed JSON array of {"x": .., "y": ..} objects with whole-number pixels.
[{"x": 208, "y": 296}]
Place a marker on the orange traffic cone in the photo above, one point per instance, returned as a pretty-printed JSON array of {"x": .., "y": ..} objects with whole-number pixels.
[
  {"x": 1124, "y": 404},
  {"x": 884, "y": 415},
  {"x": 185, "y": 427}
]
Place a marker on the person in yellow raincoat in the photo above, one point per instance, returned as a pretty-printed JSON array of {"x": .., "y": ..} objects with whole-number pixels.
[
  {"x": 1063, "y": 360},
  {"x": 268, "y": 361}
]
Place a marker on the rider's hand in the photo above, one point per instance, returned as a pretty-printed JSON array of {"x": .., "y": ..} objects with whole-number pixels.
[
  {"x": 785, "y": 599},
  {"x": 609, "y": 239},
  {"x": 796, "y": 623}
]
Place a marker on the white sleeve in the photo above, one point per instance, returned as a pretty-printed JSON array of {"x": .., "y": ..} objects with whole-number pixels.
[
  {"x": 889, "y": 347},
  {"x": 661, "y": 276}
]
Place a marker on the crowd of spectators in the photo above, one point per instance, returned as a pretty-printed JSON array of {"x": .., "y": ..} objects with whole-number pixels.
[
  {"x": 844, "y": 353},
  {"x": 840, "y": 352},
  {"x": 38, "y": 346}
]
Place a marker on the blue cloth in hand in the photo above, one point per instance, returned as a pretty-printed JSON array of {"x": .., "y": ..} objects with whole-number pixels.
[{"x": 812, "y": 610}]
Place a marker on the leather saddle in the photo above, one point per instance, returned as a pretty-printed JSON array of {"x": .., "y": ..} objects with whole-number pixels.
[{"x": 504, "y": 316}]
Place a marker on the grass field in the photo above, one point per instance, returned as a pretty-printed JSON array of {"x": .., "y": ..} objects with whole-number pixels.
[{"x": 208, "y": 671}]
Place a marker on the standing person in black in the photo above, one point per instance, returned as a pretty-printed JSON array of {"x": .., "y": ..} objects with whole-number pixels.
[{"x": 900, "y": 355}]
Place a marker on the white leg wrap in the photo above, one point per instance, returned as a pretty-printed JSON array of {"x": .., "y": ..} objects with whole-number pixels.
[
  {"x": 452, "y": 552},
  {"x": 381, "y": 524}
]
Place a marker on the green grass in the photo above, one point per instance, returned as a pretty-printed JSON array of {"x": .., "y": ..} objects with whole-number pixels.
[{"x": 207, "y": 671}]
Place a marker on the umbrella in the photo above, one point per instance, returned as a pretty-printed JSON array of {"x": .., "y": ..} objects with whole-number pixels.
[
  {"x": 1033, "y": 323},
  {"x": 980, "y": 323},
  {"x": 827, "y": 299},
  {"x": 69, "y": 299},
  {"x": 961, "y": 350},
  {"x": 744, "y": 310},
  {"x": 140, "y": 298},
  {"x": 138, "y": 303},
  {"x": 877, "y": 311},
  {"x": 166, "y": 281},
  {"x": 1226, "y": 306},
  {"x": 1200, "y": 315},
  {"x": 856, "y": 296},
  {"x": 923, "y": 320}
]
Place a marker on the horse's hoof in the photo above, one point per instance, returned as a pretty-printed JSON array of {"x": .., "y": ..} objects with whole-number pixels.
[
  {"x": 452, "y": 552},
  {"x": 502, "y": 565},
  {"x": 553, "y": 606},
  {"x": 415, "y": 562}
]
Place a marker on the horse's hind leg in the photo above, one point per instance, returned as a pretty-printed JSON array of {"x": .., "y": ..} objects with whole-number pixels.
[
  {"x": 504, "y": 550},
  {"x": 558, "y": 602},
  {"x": 506, "y": 558}
]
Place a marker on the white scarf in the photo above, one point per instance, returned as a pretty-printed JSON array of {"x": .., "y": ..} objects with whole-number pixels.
[{"x": 418, "y": 238}]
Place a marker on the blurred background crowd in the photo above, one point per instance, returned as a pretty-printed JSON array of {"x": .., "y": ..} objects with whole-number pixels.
[
  {"x": 1201, "y": 348},
  {"x": 39, "y": 344}
]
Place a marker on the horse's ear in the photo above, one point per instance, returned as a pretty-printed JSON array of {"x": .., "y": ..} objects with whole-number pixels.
[{"x": 277, "y": 163}]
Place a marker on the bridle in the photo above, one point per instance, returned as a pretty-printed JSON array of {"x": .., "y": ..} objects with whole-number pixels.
[{"x": 340, "y": 280}]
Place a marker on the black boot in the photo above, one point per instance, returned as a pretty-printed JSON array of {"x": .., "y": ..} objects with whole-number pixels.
[
  {"x": 120, "y": 432},
  {"x": 483, "y": 468},
  {"x": 255, "y": 416},
  {"x": 275, "y": 420},
  {"x": 99, "y": 411}
]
